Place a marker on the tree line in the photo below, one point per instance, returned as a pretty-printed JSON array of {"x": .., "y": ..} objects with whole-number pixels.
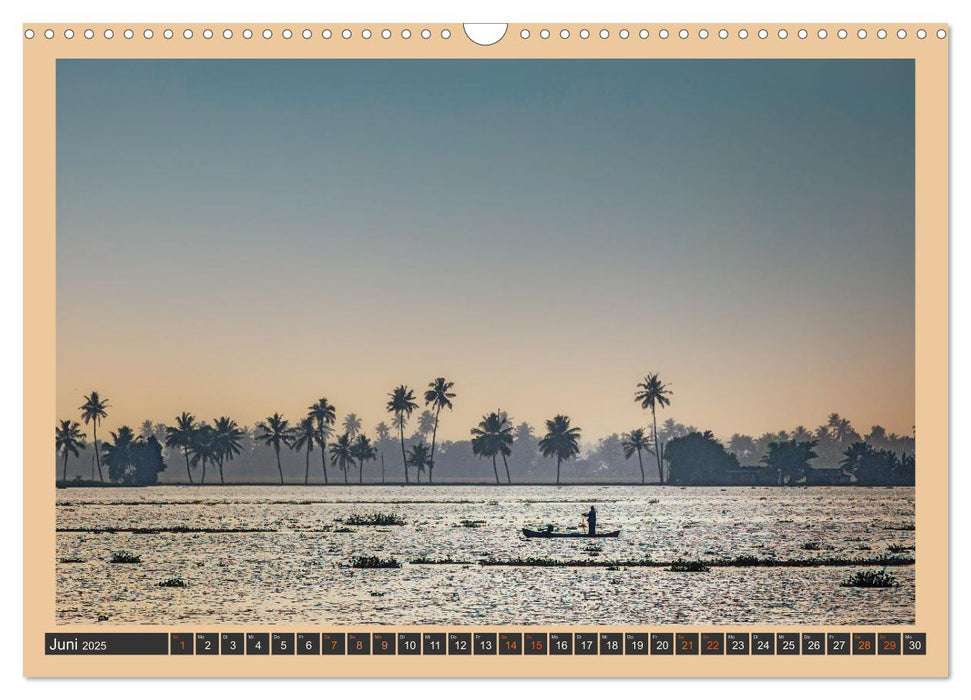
[
  {"x": 698, "y": 459},
  {"x": 223, "y": 445}
]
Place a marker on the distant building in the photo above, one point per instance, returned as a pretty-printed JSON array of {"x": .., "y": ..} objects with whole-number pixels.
[
  {"x": 827, "y": 477},
  {"x": 752, "y": 476}
]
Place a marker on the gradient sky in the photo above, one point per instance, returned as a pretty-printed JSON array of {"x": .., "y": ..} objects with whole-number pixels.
[{"x": 242, "y": 237}]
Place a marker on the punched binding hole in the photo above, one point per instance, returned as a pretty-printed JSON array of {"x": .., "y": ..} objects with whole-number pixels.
[{"x": 489, "y": 34}]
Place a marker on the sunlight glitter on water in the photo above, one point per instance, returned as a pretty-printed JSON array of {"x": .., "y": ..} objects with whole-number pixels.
[{"x": 294, "y": 570}]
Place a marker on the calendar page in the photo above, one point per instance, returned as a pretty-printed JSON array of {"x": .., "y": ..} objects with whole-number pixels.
[{"x": 485, "y": 350}]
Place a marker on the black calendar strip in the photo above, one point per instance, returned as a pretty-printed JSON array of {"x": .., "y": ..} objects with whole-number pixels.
[{"x": 512, "y": 643}]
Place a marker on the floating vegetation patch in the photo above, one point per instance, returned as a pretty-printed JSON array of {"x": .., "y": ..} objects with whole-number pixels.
[
  {"x": 898, "y": 549},
  {"x": 373, "y": 562},
  {"x": 307, "y": 502},
  {"x": 70, "y": 560},
  {"x": 746, "y": 560},
  {"x": 178, "y": 529},
  {"x": 871, "y": 579},
  {"x": 172, "y": 583},
  {"x": 815, "y": 546},
  {"x": 344, "y": 529},
  {"x": 692, "y": 567},
  {"x": 446, "y": 560},
  {"x": 374, "y": 519},
  {"x": 124, "y": 557},
  {"x": 566, "y": 502},
  {"x": 470, "y": 523},
  {"x": 907, "y": 527},
  {"x": 542, "y": 561}
]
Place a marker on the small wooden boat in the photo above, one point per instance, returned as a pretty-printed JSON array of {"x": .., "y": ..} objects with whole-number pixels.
[{"x": 550, "y": 533}]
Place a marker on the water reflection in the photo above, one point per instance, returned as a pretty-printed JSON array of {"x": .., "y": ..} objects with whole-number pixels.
[{"x": 293, "y": 569}]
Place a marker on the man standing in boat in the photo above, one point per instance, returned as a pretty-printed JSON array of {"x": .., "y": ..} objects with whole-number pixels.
[{"x": 591, "y": 521}]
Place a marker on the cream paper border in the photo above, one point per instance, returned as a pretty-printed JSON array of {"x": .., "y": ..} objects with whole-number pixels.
[{"x": 45, "y": 43}]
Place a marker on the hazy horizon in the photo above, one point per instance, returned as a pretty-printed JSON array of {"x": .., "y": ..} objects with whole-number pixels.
[{"x": 240, "y": 237}]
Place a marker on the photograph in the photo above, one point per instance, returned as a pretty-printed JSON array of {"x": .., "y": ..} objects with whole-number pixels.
[{"x": 484, "y": 342}]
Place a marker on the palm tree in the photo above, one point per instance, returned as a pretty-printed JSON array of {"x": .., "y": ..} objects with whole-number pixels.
[
  {"x": 840, "y": 427},
  {"x": 402, "y": 404},
  {"x": 352, "y": 425},
  {"x": 505, "y": 439},
  {"x": 69, "y": 441},
  {"x": 742, "y": 446},
  {"x": 363, "y": 451},
  {"x": 119, "y": 455},
  {"x": 325, "y": 414},
  {"x": 561, "y": 441},
  {"x": 426, "y": 423},
  {"x": 652, "y": 393},
  {"x": 855, "y": 455},
  {"x": 202, "y": 447},
  {"x": 790, "y": 459},
  {"x": 342, "y": 454},
  {"x": 418, "y": 457},
  {"x": 636, "y": 442},
  {"x": 483, "y": 445},
  {"x": 382, "y": 431},
  {"x": 181, "y": 436},
  {"x": 305, "y": 435},
  {"x": 92, "y": 411},
  {"x": 146, "y": 429},
  {"x": 439, "y": 395},
  {"x": 493, "y": 436},
  {"x": 276, "y": 431},
  {"x": 226, "y": 442},
  {"x": 801, "y": 434}
]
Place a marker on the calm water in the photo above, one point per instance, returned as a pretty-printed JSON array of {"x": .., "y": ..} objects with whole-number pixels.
[{"x": 296, "y": 574}]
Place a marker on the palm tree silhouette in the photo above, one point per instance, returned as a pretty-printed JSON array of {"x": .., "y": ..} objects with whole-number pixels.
[
  {"x": 505, "y": 440},
  {"x": 561, "y": 441},
  {"x": 426, "y": 423},
  {"x": 652, "y": 393},
  {"x": 839, "y": 427},
  {"x": 439, "y": 395},
  {"x": 181, "y": 436},
  {"x": 492, "y": 437},
  {"x": 341, "y": 454},
  {"x": 226, "y": 446},
  {"x": 69, "y": 441},
  {"x": 92, "y": 411},
  {"x": 276, "y": 431},
  {"x": 854, "y": 456},
  {"x": 742, "y": 446},
  {"x": 352, "y": 425},
  {"x": 363, "y": 451},
  {"x": 202, "y": 448},
  {"x": 636, "y": 442},
  {"x": 325, "y": 414},
  {"x": 418, "y": 456},
  {"x": 801, "y": 434},
  {"x": 119, "y": 455},
  {"x": 146, "y": 430},
  {"x": 382, "y": 431},
  {"x": 305, "y": 435},
  {"x": 402, "y": 405}
]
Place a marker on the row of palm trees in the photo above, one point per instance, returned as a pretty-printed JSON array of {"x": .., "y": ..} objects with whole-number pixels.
[{"x": 217, "y": 444}]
